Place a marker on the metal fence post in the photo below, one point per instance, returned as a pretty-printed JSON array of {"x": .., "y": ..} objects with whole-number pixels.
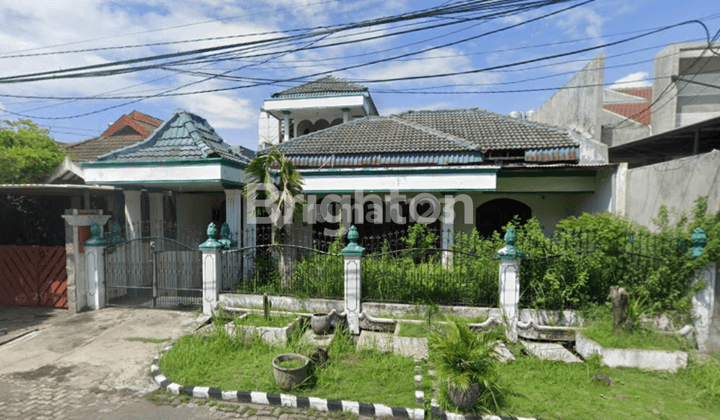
[
  {"x": 211, "y": 269},
  {"x": 353, "y": 280},
  {"x": 510, "y": 283},
  {"x": 95, "y": 265}
]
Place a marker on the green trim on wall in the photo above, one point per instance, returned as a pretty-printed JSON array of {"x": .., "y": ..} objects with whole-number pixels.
[
  {"x": 185, "y": 181},
  {"x": 546, "y": 174},
  {"x": 375, "y": 172},
  {"x": 174, "y": 162}
]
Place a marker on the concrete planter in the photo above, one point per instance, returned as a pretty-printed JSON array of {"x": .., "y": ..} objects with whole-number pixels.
[
  {"x": 416, "y": 347},
  {"x": 464, "y": 399},
  {"x": 277, "y": 336},
  {"x": 669, "y": 361},
  {"x": 324, "y": 323},
  {"x": 287, "y": 378}
]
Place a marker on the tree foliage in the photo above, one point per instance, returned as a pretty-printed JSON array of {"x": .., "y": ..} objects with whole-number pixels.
[{"x": 27, "y": 153}]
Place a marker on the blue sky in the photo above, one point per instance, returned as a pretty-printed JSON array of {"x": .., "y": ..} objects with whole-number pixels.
[{"x": 38, "y": 26}]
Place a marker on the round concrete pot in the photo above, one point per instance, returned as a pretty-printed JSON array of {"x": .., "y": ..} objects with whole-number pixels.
[
  {"x": 464, "y": 399},
  {"x": 287, "y": 378},
  {"x": 323, "y": 323}
]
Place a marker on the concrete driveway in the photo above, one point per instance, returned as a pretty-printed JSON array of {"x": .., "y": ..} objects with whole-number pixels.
[
  {"x": 102, "y": 349},
  {"x": 94, "y": 365}
]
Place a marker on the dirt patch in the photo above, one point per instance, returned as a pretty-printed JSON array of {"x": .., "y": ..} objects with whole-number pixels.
[{"x": 48, "y": 371}]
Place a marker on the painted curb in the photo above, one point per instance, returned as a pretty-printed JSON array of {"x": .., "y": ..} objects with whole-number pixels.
[{"x": 264, "y": 398}]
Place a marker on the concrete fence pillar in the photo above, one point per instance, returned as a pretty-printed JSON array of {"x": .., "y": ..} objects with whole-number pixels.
[
  {"x": 353, "y": 280},
  {"x": 211, "y": 270},
  {"x": 95, "y": 268},
  {"x": 510, "y": 283},
  {"x": 78, "y": 231}
]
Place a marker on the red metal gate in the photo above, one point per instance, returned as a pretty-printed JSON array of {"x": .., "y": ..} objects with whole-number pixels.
[{"x": 33, "y": 276}]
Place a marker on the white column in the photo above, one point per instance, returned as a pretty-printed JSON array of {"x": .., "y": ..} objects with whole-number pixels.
[
  {"x": 510, "y": 296},
  {"x": 133, "y": 214},
  {"x": 287, "y": 126},
  {"x": 156, "y": 214},
  {"x": 510, "y": 284},
  {"x": 211, "y": 270},
  {"x": 346, "y": 114},
  {"x": 353, "y": 281},
  {"x": 248, "y": 239},
  {"x": 447, "y": 230},
  {"x": 95, "y": 263},
  {"x": 234, "y": 213},
  {"x": 703, "y": 303}
]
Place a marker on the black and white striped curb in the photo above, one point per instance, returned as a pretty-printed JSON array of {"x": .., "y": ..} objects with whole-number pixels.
[{"x": 320, "y": 404}]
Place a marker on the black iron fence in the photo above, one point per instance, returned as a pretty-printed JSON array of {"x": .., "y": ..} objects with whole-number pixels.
[
  {"x": 425, "y": 265},
  {"x": 290, "y": 261}
]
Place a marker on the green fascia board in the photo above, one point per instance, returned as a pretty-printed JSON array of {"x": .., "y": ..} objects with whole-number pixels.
[
  {"x": 187, "y": 181},
  {"x": 375, "y": 171},
  {"x": 174, "y": 162}
]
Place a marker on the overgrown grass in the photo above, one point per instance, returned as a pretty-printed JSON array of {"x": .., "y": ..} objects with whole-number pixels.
[
  {"x": 423, "y": 330},
  {"x": 258, "y": 320},
  {"x": 553, "y": 390},
  {"x": 600, "y": 329},
  {"x": 233, "y": 363}
]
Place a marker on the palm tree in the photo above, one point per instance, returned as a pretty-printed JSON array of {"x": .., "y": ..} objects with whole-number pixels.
[{"x": 263, "y": 171}]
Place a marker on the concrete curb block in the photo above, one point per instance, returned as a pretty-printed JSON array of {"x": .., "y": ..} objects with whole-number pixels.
[{"x": 264, "y": 398}]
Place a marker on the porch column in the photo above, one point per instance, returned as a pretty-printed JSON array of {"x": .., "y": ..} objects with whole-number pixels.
[
  {"x": 249, "y": 235},
  {"x": 353, "y": 280},
  {"x": 95, "y": 265},
  {"x": 133, "y": 214},
  {"x": 157, "y": 227},
  {"x": 510, "y": 284},
  {"x": 78, "y": 224},
  {"x": 287, "y": 126},
  {"x": 234, "y": 213},
  {"x": 346, "y": 114},
  {"x": 211, "y": 269},
  {"x": 447, "y": 230}
]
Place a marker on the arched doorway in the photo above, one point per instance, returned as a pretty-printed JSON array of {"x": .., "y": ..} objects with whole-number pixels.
[{"x": 492, "y": 216}]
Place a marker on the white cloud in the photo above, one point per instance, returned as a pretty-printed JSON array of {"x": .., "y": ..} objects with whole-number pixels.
[
  {"x": 581, "y": 22},
  {"x": 440, "y": 61},
  {"x": 635, "y": 80}
]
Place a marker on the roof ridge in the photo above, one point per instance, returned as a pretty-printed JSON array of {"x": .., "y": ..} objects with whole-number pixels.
[{"x": 430, "y": 130}]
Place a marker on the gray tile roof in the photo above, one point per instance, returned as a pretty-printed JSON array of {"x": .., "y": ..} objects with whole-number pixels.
[
  {"x": 183, "y": 136},
  {"x": 325, "y": 86},
  {"x": 491, "y": 131},
  {"x": 372, "y": 135}
]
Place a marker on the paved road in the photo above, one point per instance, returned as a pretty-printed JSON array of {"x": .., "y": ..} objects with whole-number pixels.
[{"x": 91, "y": 366}]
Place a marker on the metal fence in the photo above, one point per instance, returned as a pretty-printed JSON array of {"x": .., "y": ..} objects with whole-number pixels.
[
  {"x": 424, "y": 265},
  {"x": 153, "y": 272},
  {"x": 291, "y": 261}
]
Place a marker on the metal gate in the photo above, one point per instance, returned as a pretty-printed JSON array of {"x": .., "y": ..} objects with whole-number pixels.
[
  {"x": 153, "y": 272},
  {"x": 33, "y": 276}
]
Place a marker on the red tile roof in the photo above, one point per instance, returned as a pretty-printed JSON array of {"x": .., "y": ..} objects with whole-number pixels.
[
  {"x": 638, "y": 112},
  {"x": 126, "y": 131}
]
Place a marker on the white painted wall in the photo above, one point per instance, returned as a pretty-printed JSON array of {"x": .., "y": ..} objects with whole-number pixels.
[
  {"x": 194, "y": 211},
  {"x": 675, "y": 184}
]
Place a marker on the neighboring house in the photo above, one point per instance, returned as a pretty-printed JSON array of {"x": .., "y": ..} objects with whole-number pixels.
[
  {"x": 666, "y": 134},
  {"x": 501, "y": 166},
  {"x": 310, "y": 107},
  {"x": 184, "y": 175}
]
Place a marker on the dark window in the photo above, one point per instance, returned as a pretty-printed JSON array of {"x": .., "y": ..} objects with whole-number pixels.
[{"x": 492, "y": 216}]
